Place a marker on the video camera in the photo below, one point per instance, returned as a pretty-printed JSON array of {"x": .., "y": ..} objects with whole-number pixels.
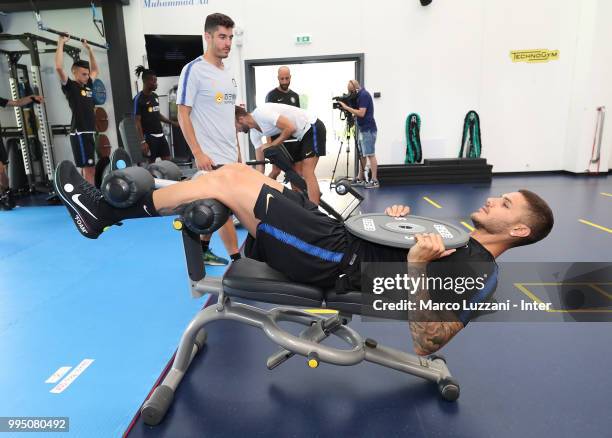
[{"x": 349, "y": 99}]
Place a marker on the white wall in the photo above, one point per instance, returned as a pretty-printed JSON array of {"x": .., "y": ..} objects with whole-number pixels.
[
  {"x": 439, "y": 61},
  {"x": 591, "y": 87},
  {"x": 77, "y": 22}
]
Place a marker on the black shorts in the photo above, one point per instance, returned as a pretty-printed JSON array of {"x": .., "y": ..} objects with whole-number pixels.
[
  {"x": 83, "y": 149},
  {"x": 158, "y": 146},
  {"x": 295, "y": 238},
  {"x": 313, "y": 142},
  {"x": 294, "y": 148},
  {"x": 3, "y": 153}
]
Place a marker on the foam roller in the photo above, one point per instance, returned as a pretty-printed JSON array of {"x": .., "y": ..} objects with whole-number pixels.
[
  {"x": 122, "y": 188},
  {"x": 165, "y": 170},
  {"x": 205, "y": 216}
]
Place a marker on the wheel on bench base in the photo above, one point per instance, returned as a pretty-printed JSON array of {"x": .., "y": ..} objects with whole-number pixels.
[
  {"x": 343, "y": 186},
  {"x": 449, "y": 389},
  {"x": 154, "y": 409}
]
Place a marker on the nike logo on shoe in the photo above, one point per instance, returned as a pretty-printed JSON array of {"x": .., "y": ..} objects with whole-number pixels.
[
  {"x": 268, "y": 200},
  {"x": 145, "y": 209},
  {"x": 76, "y": 200},
  {"x": 66, "y": 182}
]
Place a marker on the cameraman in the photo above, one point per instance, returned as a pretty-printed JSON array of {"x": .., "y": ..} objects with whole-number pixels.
[{"x": 367, "y": 132}]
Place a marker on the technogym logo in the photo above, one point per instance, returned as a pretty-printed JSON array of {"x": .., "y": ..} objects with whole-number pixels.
[
  {"x": 535, "y": 55},
  {"x": 170, "y": 3}
]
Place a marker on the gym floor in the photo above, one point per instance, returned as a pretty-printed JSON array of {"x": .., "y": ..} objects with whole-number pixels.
[{"x": 123, "y": 302}]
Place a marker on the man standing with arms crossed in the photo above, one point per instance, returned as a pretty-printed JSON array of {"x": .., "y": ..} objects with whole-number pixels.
[{"x": 206, "y": 97}]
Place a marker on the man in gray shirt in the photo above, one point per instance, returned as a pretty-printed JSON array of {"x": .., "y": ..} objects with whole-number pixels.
[{"x": 206, "y": 97}]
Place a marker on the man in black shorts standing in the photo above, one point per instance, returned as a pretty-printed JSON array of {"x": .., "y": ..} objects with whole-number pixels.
[
  {"x": 283, "y": 94},
  {"x": 291, "y": 235},
  {"x": 6, "y": 197},
  {"x": 78, "y": 92},
  {"x": 284, "y": 121},
  {"x": 148, "y": 118}
]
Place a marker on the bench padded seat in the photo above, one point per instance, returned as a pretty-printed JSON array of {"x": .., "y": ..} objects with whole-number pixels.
[{"x": 253, "y": 280}]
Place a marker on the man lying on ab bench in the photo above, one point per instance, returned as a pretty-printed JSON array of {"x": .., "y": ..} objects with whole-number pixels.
[{"x": 291, "y": 235}]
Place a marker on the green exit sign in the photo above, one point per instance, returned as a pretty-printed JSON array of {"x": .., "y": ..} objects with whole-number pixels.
[{"x": 303, "y": 39}]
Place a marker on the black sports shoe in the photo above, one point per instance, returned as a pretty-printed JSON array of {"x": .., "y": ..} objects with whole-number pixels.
[
  {"x": 8, "y": 198},
  {"x": 84, "y": 202},
  {"x": 5, "y": 202}
]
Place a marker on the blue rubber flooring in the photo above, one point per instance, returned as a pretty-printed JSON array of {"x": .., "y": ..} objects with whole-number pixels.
[{"x": 122, "y": 300}]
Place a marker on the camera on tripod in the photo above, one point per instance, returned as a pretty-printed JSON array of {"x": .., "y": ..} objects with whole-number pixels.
[{"x": 349, "y": 99}]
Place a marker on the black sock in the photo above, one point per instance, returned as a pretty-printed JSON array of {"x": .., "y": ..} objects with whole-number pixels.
[
  {"x": 142, "y": 208},
  {"x": 205, "y": 245},
  {"x": 235, "y": 257}
]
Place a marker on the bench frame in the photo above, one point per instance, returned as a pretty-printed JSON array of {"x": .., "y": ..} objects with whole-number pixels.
[{"x": 307, "y": 344}]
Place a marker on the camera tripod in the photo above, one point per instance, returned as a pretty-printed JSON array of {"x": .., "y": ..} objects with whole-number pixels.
[{"x": 348, "y": 133}]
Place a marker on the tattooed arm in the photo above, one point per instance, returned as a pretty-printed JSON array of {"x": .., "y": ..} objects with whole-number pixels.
[{"x": 430, "y": 329}]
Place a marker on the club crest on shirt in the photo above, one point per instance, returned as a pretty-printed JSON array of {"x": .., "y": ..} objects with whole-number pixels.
[
  {"x": 229, "y": 98},
  {"x": 86, "y": 92}
]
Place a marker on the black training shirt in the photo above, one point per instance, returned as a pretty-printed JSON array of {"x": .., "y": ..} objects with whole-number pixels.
[
  {"x": 465, "y": 267},
  {"x": 80, "y": 99},
  {"x": 288, "y": 98},
  {"x": 147, "y": 107},
  {"x": 472, "y": 260}
]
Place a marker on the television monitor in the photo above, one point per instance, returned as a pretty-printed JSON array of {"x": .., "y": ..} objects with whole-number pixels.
[{"x": 167, "y": 54}]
